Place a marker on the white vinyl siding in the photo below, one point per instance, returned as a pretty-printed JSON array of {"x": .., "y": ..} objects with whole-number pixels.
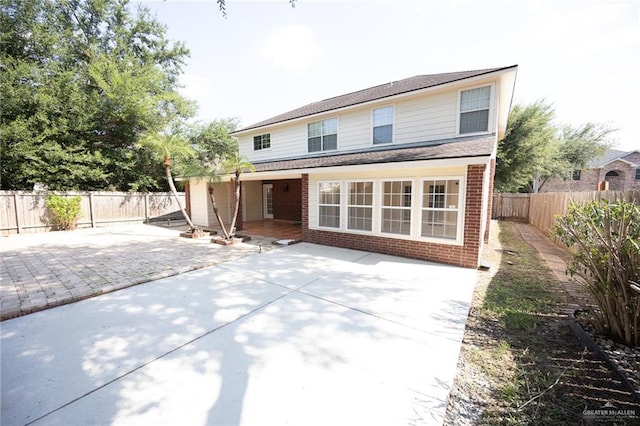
[
  {"x": 201, "y": 207},
  {"x": 416, "y": 119},
  {"x": 251, "y": 201}
]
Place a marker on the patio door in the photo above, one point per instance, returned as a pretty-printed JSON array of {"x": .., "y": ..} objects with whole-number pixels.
[{"x": 267, "y": 200}]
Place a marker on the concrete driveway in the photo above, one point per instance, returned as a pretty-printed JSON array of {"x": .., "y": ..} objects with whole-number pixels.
[{"x": 303, "y": 335}]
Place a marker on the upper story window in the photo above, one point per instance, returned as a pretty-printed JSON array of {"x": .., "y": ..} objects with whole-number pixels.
[
  {"x": 576, "y": 175},
  {"x": 474, "y": 110},
  {"x": 323, "y": 135},
  {"x": 261, "y": 142},
  {"x": 383, "y": 125},
  {"x": 638, "y": 173}
]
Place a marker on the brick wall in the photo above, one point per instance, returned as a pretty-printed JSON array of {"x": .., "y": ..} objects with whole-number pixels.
[
  {"x": 287, "y": 199},
  {"x": 492, "y": 172},
  {"x": 589, "y": 178},
  {"x": 466, "y": 256}
]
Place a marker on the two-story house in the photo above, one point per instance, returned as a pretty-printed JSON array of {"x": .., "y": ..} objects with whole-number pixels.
[{"x": 404, "y": 168}]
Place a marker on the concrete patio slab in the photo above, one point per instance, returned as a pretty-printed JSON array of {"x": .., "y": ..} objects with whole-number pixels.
[{"x": 304, "y": 334}]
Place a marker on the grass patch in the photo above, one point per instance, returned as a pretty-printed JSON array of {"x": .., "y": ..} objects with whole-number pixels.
[{"x": 538, "y": 372}]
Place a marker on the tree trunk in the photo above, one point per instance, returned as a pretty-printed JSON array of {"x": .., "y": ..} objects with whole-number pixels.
[
  {"x": 172, "y": 187},
  {"x": 215, "y": 211},
  {"x": 232, "y": 231}
]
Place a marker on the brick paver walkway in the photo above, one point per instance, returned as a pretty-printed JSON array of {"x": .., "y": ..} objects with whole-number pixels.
[
  {"x": 556, "y": 259},
  {"x": 39, "y": 271}
]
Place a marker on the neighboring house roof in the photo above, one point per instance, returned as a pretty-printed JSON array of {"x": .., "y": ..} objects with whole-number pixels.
[
  {"x": 608, "y": 157},
  {"x": 478, "y": 147},
  {"x": 393, "y": 88}
]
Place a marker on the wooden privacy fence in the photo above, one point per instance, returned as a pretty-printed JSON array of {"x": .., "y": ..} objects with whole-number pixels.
[
  {"x": 510, "y": 206},
  {"x": 541, "y": 209},
  {"x": 23, "y": 211},
  {"x": 545, "y": 206}
]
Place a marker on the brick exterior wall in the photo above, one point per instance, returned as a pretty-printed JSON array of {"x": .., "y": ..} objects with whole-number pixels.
[
  {"x": 492, "y": 173},
  {"x": 287, "y": 199},
  {"x": 590, "y": 178},
  {"x": 466, "y": 256}
]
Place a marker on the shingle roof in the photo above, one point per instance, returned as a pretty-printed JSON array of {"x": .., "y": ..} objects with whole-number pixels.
[
  {"x": 609, "y": 156},
  {"x": 479, "y": 147},
  {"x": 393, "y": 88}
]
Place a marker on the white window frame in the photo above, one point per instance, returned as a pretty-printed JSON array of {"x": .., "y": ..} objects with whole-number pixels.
[
  {"x": 491, "y": 117},
  {"x": 393, "y": 124},
  {"x": 339, "y": 205},
  {"x": 410, "y": 209},
  {"x": 417, "y": 196},
  {"x": 261, "y": 136},
  {"x": 372, "y": 206},
  {"x": 322, "y": 149},
  {"x": 461, "y": 200}
]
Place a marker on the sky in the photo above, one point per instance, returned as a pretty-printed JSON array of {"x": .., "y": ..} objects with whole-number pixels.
[{"x": 267, "y": 57}]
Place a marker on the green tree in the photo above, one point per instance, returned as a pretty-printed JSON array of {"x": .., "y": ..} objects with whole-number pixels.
[
  {"x": 604, "y": 237},
  {"x": 236, "y": 165},
  {"x": 222, "y": 5},
  {"x": 535, "y": 149},
  {"x": 80, "y": 81},
  {"x": 213, "y": 140},
  {"x": 170, "y": 147},
  {"x": 528, "y": 142}
]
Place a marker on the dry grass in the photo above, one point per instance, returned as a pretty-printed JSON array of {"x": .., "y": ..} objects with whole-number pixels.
[{"x": 520, "y": 364}]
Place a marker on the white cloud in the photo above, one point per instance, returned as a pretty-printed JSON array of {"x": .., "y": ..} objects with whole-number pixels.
[{"x": 291, "y": 47}]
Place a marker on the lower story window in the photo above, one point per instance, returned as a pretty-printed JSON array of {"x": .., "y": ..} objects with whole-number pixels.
[
  {"x": 329, "y": 204},
  {"x": 360, "y": 211},
  {"x": 440, "y": 208},
  {"x": 396, "y": 207}
]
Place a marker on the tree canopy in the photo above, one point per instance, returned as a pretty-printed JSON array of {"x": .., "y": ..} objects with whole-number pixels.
[
  {"x": 536, "y": 149},
  {"x": 80, "y": 81}
]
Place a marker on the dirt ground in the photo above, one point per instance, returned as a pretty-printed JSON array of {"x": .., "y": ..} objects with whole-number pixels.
[{"x": 542, "y": 376}]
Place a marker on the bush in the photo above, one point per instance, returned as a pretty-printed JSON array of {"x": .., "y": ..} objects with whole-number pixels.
[
  {"x": 605, "y": 241},
  {"x": 65, "y": 210}
]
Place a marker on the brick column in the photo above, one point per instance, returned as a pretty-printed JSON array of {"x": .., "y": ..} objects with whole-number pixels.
[
  {"x": 305, "y": 206},
  {"x": 473, "y": 216},
  {"x": 492, "y": 173}
]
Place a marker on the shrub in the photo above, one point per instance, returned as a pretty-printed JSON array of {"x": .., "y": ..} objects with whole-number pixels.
[
  {"x": 605, "y": 241},
  {"x": 65, "y": 210}
]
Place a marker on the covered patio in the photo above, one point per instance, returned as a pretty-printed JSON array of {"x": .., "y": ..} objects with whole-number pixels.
[{"x": 273, "y": 228}]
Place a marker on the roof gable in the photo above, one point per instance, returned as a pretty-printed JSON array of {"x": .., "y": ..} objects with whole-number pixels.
[
  {"x": 382, "y": 91},
  {"x": 610, "y": 156}
]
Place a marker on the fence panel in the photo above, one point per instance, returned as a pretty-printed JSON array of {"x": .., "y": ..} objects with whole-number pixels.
[
  {"x": 24, "y": 211},
  {"x": 545, "y": 206},
  {"x": 510, "y": 206}
]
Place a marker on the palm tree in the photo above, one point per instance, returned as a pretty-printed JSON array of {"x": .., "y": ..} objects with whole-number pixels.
[
  {"x": 236, "y": 164},
  {"x": 169, "y": 147},
  {"x": 212, "y": 172}
]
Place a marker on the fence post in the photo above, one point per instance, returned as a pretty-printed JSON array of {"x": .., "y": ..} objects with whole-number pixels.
[
  {"x": 15, "y": 208},
  {"x": 91, "y": 215},
  {"x": 146, "y": 207}
]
